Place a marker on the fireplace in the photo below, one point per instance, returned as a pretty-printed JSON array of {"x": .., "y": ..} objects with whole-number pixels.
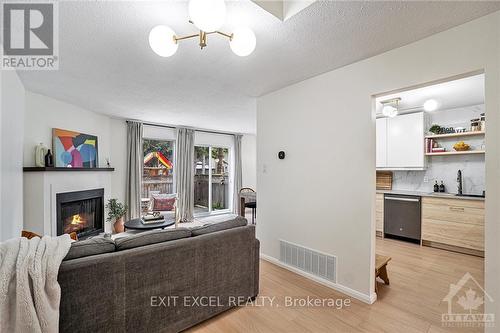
[{"x": 81, "y": 212}]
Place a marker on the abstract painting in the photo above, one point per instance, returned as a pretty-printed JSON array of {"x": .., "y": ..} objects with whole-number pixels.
[{"x": 74, "y": 150}]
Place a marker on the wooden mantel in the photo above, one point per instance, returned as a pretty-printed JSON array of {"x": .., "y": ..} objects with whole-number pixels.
[{"x": 47, "y": 169}]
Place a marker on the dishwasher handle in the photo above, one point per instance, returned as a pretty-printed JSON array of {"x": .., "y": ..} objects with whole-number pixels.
[{"x": 402, "y": 199}]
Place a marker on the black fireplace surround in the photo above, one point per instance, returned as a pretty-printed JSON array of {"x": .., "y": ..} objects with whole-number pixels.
[{"x": 81, "y": 212}]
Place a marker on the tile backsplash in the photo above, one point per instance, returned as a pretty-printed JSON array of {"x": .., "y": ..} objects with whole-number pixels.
[{"x": 445, "y": 167}]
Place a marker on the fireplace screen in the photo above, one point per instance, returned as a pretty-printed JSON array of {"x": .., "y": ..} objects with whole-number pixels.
[{"x": 81, "y": 212}]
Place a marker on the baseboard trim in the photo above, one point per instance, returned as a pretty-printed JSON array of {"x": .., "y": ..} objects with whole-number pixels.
[
  {"x": 369, "y": 299},
  {"x": 472, "y": 252}
]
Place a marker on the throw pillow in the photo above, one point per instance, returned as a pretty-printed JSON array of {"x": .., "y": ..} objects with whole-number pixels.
[{"x": 163, "y": 204}]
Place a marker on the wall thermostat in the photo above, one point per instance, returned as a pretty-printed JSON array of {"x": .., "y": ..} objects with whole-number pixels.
[{"x": 281, "y": 155}]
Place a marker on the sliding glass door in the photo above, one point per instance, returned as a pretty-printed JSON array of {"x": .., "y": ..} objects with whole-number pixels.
[
  {"x": 201, "y": 180},
  {"x": 211, "y": 180}
]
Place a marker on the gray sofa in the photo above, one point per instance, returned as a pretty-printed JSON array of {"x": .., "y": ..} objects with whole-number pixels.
[{"x": 128, "y": 287}]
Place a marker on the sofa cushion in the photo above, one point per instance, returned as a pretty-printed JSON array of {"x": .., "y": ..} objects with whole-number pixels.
[
  {"x": 90, "y": 247},
  {"x": 238, "y": 221},
  {"x": 151, "y": 237}
]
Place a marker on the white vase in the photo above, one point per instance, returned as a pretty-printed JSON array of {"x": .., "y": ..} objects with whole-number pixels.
[{"x": 40, "y": 152}]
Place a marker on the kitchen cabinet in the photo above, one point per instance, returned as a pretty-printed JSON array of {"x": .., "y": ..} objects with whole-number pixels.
[
  {"x": 400, "y": 142},
  {"x": 379, "y": 214},
  {"x": 453, "y": 224}
]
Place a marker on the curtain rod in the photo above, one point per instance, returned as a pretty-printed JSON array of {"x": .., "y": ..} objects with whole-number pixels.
[{"x": 193, "y": 128}]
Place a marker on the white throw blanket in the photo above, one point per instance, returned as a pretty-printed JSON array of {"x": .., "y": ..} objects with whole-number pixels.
[{"x": 29, "y": 291}]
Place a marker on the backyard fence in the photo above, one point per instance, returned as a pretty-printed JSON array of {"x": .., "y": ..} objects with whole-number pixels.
[{"x": 220, "y": 189}]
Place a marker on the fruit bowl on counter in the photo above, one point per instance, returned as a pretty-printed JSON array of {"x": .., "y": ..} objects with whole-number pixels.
[{"x": 461, "y": 146}]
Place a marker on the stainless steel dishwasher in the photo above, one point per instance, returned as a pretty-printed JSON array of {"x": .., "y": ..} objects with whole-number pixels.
[{"x": 402, "y": 217}]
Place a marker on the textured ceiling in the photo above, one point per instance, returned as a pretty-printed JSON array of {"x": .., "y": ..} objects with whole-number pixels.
[{"x": 106, "y": 64}]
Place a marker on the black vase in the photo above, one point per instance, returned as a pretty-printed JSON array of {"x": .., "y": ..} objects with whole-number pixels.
[{"x": 49, "y": 159}]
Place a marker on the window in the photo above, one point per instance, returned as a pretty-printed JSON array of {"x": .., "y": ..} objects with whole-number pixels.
[
  {"x": 158, "y": 174},
  {"x": 211, "y": 179}
]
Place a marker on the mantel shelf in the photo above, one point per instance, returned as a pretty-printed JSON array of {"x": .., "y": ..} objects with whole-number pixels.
[{"x": 50, "y": 169}]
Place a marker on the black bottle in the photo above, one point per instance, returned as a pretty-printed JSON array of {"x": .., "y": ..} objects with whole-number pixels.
[
  {"x": 436, "y": 187},
  {"x": 49, "y": 159},
  {"x": 441, "y": 187}
]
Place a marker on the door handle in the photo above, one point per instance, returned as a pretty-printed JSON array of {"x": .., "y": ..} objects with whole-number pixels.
[{"x": 402, "y": 199}]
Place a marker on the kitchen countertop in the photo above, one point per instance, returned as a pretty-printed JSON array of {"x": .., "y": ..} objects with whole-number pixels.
[{"x": 429, "y": 194}]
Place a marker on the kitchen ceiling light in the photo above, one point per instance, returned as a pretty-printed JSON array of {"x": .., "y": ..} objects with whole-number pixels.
[
  {"x": 162, "y": 41},
  {"x": 207, "y": 16},
  {"x": 430, "y": 105},
  {"x": 387, "y": 110},
  {"x": 393, "y": 113},
  {"x": 390, "y": 107}
]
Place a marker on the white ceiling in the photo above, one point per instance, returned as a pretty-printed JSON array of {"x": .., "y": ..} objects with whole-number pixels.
[
  {"x": 449, "y": 95},
  {"x": 106, "y": 64}
]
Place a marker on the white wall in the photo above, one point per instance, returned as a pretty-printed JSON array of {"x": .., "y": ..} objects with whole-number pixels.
[
  {"x": 322, "y": 195},
  {"x": 11, "y": 146},
  {"x": 44, "y": 113},
  {"x": 249, "y": 161}
]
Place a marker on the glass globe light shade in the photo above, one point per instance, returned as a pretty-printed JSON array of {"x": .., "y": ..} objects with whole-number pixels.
[
  {"x": 207, "y": 15},
  {"x": 161, "y": 40},
  {"x": 243, "y": 42},
  {"x": 388, "y": 110},
  {"x": 430, "y": 105},
  {"x": 393, "y": 113}
]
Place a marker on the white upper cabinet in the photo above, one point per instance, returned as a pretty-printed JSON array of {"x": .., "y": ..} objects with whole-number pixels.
[
  {"x": 404, "y": 142},
  {"x": 381, "y": 143}
]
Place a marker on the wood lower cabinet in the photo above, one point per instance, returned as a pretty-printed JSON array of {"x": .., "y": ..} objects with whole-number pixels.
[
  {"x": 379, "y": 215},
  {"x": 453, "y": 224}
]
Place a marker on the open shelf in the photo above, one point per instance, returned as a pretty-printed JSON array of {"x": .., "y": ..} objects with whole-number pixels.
[
  {"x": 454, "y": 135},
  {"x": 446, "y": 153}
]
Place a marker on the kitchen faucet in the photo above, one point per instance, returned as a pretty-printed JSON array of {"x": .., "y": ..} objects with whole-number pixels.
[{"x": 459, "y": 182}]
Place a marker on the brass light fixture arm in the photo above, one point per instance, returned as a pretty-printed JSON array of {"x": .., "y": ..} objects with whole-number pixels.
[{"x": 203, "y": 37}]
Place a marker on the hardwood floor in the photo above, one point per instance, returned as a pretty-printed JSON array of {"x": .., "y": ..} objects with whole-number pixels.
[{"x": 413, "y": 302}]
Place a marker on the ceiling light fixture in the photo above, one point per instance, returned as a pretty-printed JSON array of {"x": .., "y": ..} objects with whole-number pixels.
[
  {"x": 208, "y": 16},
  {"x": 390, "y": 107},
  {"x": 430, "y": 105}
]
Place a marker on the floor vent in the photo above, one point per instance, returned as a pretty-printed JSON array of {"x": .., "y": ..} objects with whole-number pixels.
[{"x": 310, "y": 261}]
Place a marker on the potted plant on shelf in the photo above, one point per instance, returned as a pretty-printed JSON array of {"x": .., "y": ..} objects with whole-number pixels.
[
  {"x": 435, "y": 129},
  {"x": 116, "y": 213}
]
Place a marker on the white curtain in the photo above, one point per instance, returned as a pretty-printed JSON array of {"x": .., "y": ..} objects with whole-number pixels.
[
  {"x": 184, "y": 175},
  {"x": 135, "y": 159},
  {"x": 238, "y": 175}
]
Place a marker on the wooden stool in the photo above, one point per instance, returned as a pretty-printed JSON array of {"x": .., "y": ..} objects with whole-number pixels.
[{"x": 381, "y": 269}]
